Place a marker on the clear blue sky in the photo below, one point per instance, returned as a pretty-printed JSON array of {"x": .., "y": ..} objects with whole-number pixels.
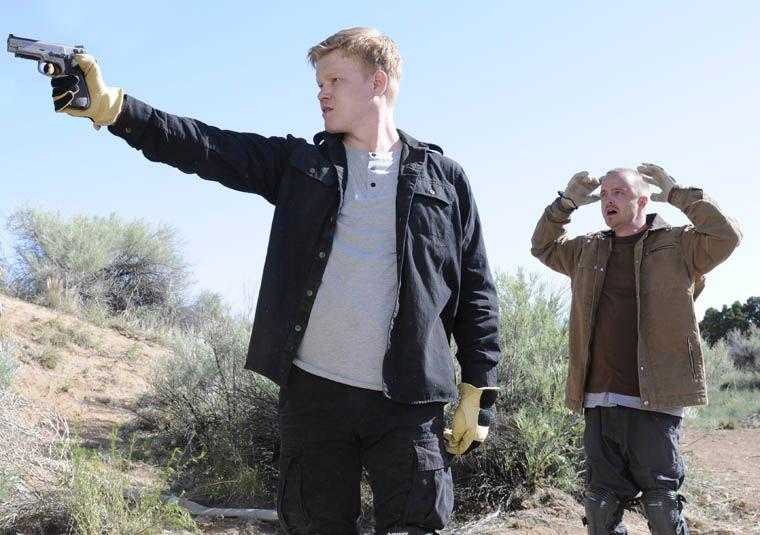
[{"x": 522, "y": 94}]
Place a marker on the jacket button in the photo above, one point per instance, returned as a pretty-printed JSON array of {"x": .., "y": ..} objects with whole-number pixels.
[
  {"x": 321, "y": 254},
  {"x": 432, "y": 191},
  {"x": 298, "y": 328},
  {"x": 312, "y": 171},
  {"x": 310, "y": 293},
  {"x": 646, "y": 403},
  {"x": 128, "y": 130}
]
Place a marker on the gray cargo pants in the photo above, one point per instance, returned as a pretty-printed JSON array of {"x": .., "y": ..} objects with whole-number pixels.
[{"x": 630, "y": 451}]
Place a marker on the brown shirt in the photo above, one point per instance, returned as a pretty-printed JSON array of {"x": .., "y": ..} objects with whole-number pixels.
[{"x": 613, "y": 366}]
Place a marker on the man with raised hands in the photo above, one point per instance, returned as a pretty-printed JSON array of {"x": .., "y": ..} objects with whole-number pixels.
[{"x": 635, "y": 357}]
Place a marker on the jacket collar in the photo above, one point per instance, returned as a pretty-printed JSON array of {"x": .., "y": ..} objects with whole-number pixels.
[
  {"x": 413, "y": 154},
  {"x": 654, "y": 222},
  {"x": 333, "y": 140}
]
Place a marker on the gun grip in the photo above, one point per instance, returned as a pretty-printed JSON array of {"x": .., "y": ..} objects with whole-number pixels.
[{"x": 81, "y": 99}]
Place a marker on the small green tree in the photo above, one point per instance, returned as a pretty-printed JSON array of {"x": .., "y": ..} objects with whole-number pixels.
[
  {"x": 752, "y": 310},
  {"x": 738, "y": 317}
]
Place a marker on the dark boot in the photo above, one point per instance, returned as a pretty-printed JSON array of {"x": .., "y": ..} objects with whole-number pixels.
[
  {"x": 604, "y": 513},
  {"x": 664, "y": 510}
]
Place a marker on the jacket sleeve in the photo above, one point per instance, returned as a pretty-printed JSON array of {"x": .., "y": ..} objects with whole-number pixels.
[
  {"x": 476, "y": 323},
  {"x": 241, "y": 161},
  {"x": 711, "y": 237},
  {"x": 550, "y": 243}
]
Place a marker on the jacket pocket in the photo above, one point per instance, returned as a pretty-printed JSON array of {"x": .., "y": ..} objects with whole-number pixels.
[
  {"x": 313, "y": 166},
  {"x": 692, "y": 365},
  {"x": 660, "y": 248},
  {"x": 431, "y": 216},
  {"x": 431, "y": 497},
  {"x": 290, "y": 504}
]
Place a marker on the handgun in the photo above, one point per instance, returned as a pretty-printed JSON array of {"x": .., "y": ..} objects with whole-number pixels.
[{"x": 53, "y": 60}]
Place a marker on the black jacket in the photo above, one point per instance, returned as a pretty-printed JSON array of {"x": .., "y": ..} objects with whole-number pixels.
[{"x": 445, "y": 284}]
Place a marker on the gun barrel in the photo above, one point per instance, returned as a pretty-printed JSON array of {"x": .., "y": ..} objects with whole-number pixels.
[
  {"x": 33, "y": 48},
  {"x": 17, "y": 43}
]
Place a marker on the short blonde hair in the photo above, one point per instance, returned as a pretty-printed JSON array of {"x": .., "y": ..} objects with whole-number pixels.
[
  {"x": 639, "y": 186},
  {"x": 368, "y": 45}
]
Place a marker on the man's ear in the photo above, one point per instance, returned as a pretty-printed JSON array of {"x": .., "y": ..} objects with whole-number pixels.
[
  {"x": 380, "y": 83},
  {"x": 643, "y": 201}
]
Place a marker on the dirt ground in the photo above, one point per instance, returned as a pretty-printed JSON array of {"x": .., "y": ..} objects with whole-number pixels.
[
  {"x": 725, "y": 466},
  {"x": 94, "y": 389}
]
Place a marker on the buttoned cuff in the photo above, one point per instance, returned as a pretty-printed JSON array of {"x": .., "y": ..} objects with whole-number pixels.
[
  {"x": 683, "y": 197},
  {"x": 556, "y": 213},
  {"x": 132, "y": 121}
]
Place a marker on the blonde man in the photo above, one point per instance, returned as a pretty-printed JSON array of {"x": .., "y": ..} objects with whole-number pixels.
[
  {"x": 635, "y": 358},
  {"x": 375, "y": 261}
]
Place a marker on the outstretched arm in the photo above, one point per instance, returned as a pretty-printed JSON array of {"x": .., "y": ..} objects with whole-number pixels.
[{"x": 241, "y": 161}]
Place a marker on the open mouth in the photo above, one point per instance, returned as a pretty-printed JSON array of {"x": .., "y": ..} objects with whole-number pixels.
[
  {"x": 326, "y": 110},
  {"x": 610, "y": 211}
]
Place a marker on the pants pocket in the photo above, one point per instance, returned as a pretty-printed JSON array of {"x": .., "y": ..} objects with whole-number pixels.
[
  {"x": 431, "y": 497},
  {"x": 290, "y": 504}
]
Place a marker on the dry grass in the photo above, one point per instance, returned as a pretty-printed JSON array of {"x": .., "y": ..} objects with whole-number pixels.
[{"x": 32, "y": 464}]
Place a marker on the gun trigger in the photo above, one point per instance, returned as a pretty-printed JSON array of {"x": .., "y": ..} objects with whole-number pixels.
[{"x": 46, "y": 68}]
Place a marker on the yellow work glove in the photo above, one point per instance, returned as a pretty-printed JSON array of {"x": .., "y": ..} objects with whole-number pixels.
[
  {"x": 472, "y": 418},
  {"x": 105, "y": 102}
]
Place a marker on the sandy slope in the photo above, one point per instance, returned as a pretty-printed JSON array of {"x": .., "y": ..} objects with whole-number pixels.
[{"x": 92, "y": 387}]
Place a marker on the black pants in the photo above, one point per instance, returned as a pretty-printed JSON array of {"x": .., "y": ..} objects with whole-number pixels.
[
  {"x": 630, "y": 451},
  {"x": 330, "y": 431}
]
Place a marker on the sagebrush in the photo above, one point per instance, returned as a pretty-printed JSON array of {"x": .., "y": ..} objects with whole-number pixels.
[
  {"x": 224, "y": 417},
  {"x": 95, "y": 261},
  {"x": 536, "y": 441}
]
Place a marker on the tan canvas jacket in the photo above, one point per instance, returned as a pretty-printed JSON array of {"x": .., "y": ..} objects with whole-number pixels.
[{"x": 669, "y": 266}]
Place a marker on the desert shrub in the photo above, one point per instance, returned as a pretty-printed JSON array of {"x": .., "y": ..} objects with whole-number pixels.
[
  {"x": 160, "y": 324},
  {"x": 207, "y": 308},
  {"x": 744, "y": 349},
  {"x": 717, "y": 362},
  {"x": 47, "y": 356},
  {"x": 224, "y": 417},
  {"x": 33, "y": 464},
  {"x": 49, "y": 484},
  {"x": 66, "y": 263},
  {"x": 536, "y": 441},
  {"x": 56, "y": 333},
  {"x": 102, "y": 500},
  {"x": 733, "y": 393},
  {"x": 157, "y": 324}
]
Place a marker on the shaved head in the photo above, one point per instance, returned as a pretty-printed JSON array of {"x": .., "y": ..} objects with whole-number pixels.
[{"x": 631, "y": 177}]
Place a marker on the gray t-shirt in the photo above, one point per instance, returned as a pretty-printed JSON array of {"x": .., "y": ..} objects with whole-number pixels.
[
  {"x": 611, "y": 399},
  {"x": 347, "y": 334}
]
